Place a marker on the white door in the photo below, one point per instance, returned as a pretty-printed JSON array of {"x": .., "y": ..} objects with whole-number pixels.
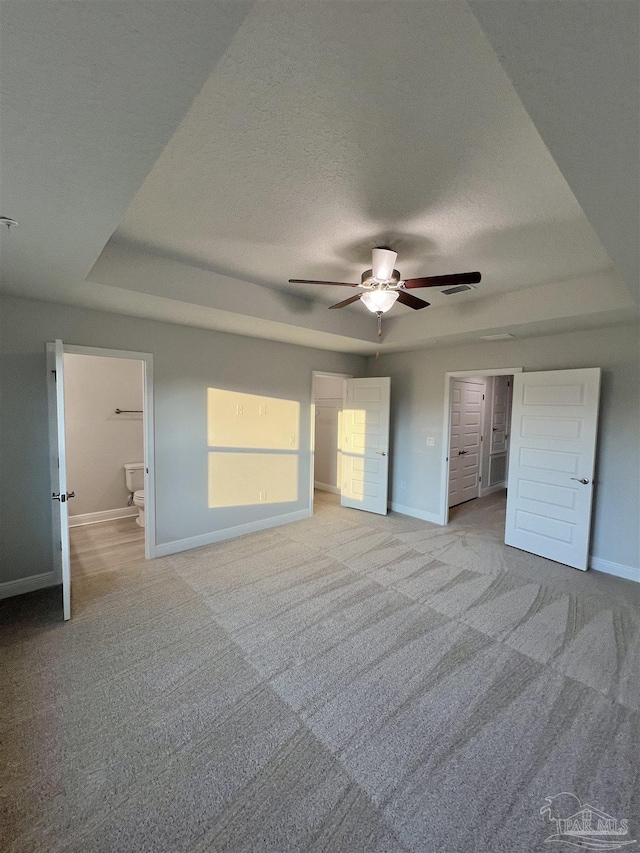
[
  {"x": 464, "y": 444},
  {"x": 365, "y": 446},
  {"x": 60, "y": 496},
  {"x": 551, "y": 463}
]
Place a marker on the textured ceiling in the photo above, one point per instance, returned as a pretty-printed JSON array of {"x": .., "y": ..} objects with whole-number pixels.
[
  {"x": 317, "y": 138},
  {"x": 321, "y": 129}
]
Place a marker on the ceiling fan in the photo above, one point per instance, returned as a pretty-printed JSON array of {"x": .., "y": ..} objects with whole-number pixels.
[{"x": 382, "y": 285}]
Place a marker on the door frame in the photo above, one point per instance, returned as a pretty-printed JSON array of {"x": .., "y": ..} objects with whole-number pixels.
[
  {"x": 148, "y": 421},
  {"x": 443, "y": 515},
  {"x": 312, "y": 425}
]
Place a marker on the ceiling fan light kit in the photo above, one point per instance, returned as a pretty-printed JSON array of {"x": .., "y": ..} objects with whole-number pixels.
[
  {"x": 379, "y": 300},
  {"x": 382, "y": 286}
]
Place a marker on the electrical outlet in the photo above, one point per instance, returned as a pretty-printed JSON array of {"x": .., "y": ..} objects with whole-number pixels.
[
  {"x": 430, "y": 441},
  {"x": 403, "y": 485},
  {"x": 262, "y": 410},
  {"x": 263, "y": 497},
  {"x": 239, "y": 410},
  {"x": 292, "y": 440}
]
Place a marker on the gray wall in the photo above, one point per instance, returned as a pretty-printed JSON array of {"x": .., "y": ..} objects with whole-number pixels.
[
  {"x": 417, "y": 401},
  {"x": 99, "y": 442},
  {"x": 187, "y": 361}
]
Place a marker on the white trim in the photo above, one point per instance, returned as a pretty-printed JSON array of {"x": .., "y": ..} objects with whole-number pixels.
[
  {"x": 325, "y": 487},
  {"x": 431, "y": 517},
  {"x": 29, "y": 584},
  {"x": 166, "y": 548},
  {"x": 148, "y": 418},
  {"x": 497, "y": 487},
  {"x": 617, "y": 569},
  {"x": 443, "y": 515},
  {"x": 103, "y": 515}
]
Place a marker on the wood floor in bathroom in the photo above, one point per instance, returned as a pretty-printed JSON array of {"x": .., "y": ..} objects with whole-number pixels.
[{"x": 104, "y": 546}]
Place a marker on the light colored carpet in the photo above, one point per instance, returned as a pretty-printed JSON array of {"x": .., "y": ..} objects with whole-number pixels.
[{"x": 345, "y": 684}]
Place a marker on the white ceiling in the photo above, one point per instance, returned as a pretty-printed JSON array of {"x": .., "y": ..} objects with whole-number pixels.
[{"x": 320, "y": 131}]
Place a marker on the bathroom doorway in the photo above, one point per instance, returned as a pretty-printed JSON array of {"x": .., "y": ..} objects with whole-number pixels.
[{"x": 101, "y": 416}]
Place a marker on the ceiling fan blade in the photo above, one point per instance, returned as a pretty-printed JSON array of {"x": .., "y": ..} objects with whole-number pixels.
[
  {"x": 412, "y": 301},
  {"x": 332, "y": 283},
  {"x": 346, "y": 301},
  {"x": 444, "y": 280}
]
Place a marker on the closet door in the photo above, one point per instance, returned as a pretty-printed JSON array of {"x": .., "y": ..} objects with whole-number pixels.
[{"x": 464, "y": 447}]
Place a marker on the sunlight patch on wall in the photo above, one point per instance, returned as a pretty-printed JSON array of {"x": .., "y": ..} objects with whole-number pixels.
[
  {"x": 244, "y": 431},
  {"x": 249, "y": 421},
  {"x": 245, "y": 479}
]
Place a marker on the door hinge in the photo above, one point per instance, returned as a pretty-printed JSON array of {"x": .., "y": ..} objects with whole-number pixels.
[
  {"x": 55, "y": 376},
  {"x": 479, "y": 479},
  {"x": 483, "y": 396},
  {"x": 60, "y": 544}
]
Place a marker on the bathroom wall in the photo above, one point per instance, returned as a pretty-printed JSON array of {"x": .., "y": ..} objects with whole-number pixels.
[
  {"x": 187, "y": 362},
  {"x": 328, "y": 394},
  {"x": 99, "y": 442}
]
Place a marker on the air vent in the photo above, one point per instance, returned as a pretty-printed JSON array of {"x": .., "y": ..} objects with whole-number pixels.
[
  {"x": 460, "y": 288},
  {"x": 501, "y": 337}
]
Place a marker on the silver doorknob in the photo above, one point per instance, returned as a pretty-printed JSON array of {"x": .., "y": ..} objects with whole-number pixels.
[
  {"x": 582, "y": 480},
  {"x": 381, "y": 452}
]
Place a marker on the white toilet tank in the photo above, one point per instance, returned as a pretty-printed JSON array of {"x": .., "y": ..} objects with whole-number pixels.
[{"x": 134, "y": 475}]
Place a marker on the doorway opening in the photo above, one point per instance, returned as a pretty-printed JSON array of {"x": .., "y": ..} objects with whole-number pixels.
[
  {"x": 477, "y": 418},
  {"x": 102, "y": 460},
  {"x": 104, "y": 438},
  {"x": 327, "y": 403}
]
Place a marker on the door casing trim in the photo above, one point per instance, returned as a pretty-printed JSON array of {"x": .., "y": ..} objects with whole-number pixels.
[{"x": 443, "y": 512}]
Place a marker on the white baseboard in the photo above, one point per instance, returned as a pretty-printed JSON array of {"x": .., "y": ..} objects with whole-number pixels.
[
  {"x": 18, "y": 587},
  {"x": 617, "y": 569},
  {"x": 104, "y": 515},
  {"x": 167, "y": 548},
  {"x": 325, "y": 487},
  {"x": 499, "y": 487},
  {"x": 416, "y": 513}
]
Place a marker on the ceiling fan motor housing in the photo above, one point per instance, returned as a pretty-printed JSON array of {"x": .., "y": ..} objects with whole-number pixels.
[{"x": 369, "y": 280}]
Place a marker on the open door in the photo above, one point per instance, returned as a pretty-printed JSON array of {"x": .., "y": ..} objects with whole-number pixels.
[
  {"x": 551, "y": 463},
  {"x": 60, "y": 496},
  {"x": 365, "y": 445}
]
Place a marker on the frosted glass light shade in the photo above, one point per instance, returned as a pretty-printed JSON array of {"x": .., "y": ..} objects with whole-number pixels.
[{"x": 379, "y": 300}]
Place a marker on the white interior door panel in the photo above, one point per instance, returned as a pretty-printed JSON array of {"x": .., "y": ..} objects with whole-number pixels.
[
  {"x": 60, "y": 495},
  {"x": 552, "y": 462},
  {"x": 365, "y": 448}
]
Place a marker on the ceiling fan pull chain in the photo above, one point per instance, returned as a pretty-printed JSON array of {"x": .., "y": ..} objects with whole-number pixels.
[{"x": 379, "y": 314}]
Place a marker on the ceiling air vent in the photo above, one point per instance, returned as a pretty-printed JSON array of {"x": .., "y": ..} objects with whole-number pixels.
[
  {"x": 502, "y": 336},
  {"x": 460, "y": 288}
]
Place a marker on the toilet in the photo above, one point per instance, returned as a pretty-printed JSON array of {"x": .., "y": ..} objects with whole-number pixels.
[{"x": 134, "y": 476}]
